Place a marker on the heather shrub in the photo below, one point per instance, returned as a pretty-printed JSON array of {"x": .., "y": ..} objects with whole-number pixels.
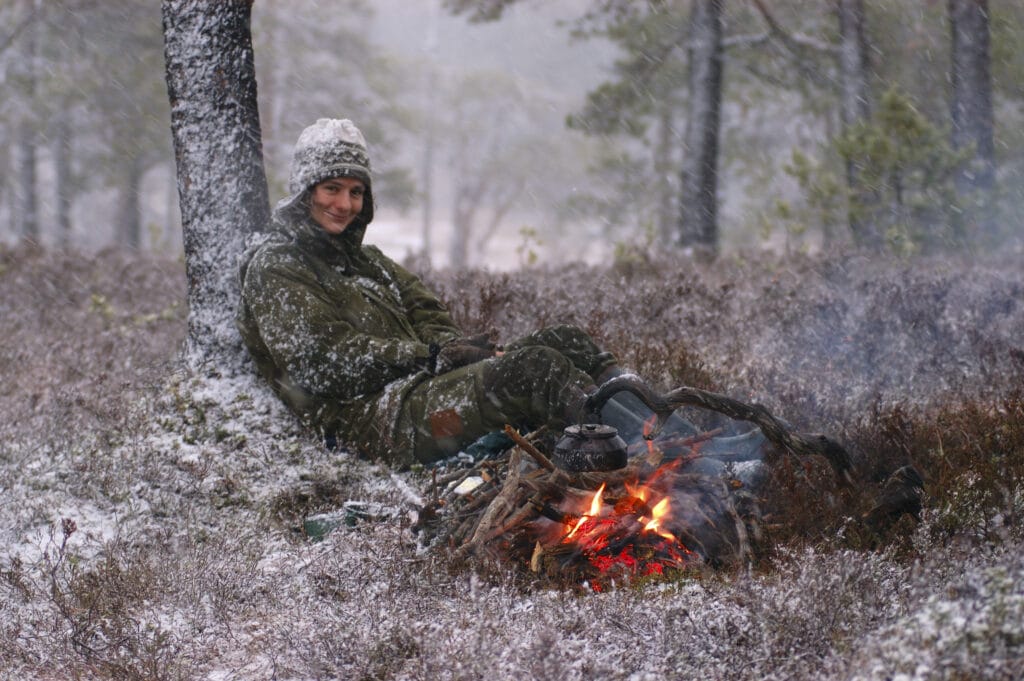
[{"x": 152, "y": 519}]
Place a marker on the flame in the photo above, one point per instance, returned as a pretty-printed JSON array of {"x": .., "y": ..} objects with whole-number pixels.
[
  {"x": 629, "y": 535},
  {"x": 658, "y": 513},
  {"x": 595, "y": 511}
]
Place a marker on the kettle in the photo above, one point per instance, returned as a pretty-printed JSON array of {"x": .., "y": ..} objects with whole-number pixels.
[{"x": 590, "y": 447}]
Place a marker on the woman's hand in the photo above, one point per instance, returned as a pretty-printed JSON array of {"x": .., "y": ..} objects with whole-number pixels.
[{"x": 460, "y": 352}]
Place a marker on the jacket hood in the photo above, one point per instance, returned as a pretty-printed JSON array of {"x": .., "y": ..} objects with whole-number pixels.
[{"x": 327, "y": 149}]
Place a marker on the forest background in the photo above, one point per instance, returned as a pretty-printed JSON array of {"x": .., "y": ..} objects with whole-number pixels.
[
  {"x": 555, "y": 132},
  {"x": 152, "y": 510}
]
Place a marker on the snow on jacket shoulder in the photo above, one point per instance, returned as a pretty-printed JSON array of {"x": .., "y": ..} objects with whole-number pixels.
[{"x": 334, "y": 319}]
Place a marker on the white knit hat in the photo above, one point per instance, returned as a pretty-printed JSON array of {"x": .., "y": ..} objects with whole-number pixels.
[{"x": 331, "y": 147}]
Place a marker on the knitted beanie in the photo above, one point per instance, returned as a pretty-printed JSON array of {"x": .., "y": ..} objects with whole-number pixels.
[{"x": 329, "y": 148}]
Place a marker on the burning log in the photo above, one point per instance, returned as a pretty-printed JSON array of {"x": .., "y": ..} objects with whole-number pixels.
[{"x": 641, "y": 521}]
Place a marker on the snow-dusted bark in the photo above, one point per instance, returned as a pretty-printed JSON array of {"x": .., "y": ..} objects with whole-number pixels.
[
  {"x": 699, "y": 220},
  {"x": 222, "y": 186},
  {"x": 971, "y": 104}
]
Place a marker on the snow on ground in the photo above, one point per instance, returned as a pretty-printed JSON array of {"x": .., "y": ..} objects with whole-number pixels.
[{"x": 150, "y": 519}]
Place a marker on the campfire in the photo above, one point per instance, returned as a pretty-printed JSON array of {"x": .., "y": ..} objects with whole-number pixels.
[
  {"x": 600, "y": 512},
  {"x": 617, "y": 538}
]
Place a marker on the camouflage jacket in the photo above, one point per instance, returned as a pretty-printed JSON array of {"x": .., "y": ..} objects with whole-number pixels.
[{"x": 340, "y": 330}]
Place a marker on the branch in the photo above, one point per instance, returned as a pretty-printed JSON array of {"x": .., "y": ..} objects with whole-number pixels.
[
  {"x": 479, "y": 11},
  {"x": 747, "y": 40},
  {"x": 527, "y": 447},
  {"x": 795, "y": 40},
  {"x": 19, "y": 28},
  {"x": 763, "y": 75},
  {"x": 794, "y": 44},
  {"x": 498, "y": 214},
  {"x": 499, "y": 509},
  {"x": 774, "y": 429}
]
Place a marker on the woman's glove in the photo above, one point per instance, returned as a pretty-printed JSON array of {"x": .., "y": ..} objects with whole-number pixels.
[
  {"x": 460, "y": 352},
  {"x": 480, "y": 340}
]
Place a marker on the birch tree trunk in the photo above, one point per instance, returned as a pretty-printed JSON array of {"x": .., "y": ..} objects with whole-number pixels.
[
  {"x": 698, "y": 224},
  {"x": 222, "y": 186},
  {"x": 27, "y": 204},
  {"x": 971, "y": 112}
]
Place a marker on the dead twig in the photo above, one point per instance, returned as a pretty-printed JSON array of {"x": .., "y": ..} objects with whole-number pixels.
[
  {"x": 525, "y": 445},
  {"x": 500, "y": 508}
]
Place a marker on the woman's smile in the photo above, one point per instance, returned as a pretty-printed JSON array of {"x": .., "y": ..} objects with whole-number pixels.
[{"x": 335, "y": 203}]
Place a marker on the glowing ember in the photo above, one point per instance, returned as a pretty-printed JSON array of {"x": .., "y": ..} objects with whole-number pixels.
[{"x": 629, "y": 536}]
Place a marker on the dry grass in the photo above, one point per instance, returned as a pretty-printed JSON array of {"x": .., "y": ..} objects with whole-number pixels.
[{"x": 150, "y": 519}]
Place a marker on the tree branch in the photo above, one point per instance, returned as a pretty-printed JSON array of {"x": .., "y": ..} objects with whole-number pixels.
[
  {"x": 747, "y": 40},
  {"x": 21, "y": 27},
  {"x": 775, "y": 430},
  {"x": 793, "y": 46},
  {"x": 504, "y": 205},
  {"x": 792, "y": 41}
]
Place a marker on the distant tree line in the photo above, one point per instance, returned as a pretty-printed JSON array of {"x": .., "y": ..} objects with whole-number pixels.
[
  {"x": 81, "y": 111},
  {"x": 885, "y": 124},
  {"x": 84, "y": 124},
  {"x": 907, "y": 162},
  {"x": 85, "y": 114}
]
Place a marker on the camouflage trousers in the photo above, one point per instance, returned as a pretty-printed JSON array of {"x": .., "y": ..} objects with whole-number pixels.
[{"x": 534, "y": 383}]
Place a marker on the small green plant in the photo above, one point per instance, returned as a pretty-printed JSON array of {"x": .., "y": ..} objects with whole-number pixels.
[
  {"x": 902, "y": 198},
  {"x": 169, "y": 313},
  {"x": 822, "y": 188},
  {"x": 905, "y": 168},
  {"x": 634, "y": 254},
  {"x": 529, "y": 245},
  {"x": 99, "y": 304}
]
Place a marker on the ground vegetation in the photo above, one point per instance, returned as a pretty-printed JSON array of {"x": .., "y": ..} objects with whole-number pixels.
[{"x": 152, "y": 519}]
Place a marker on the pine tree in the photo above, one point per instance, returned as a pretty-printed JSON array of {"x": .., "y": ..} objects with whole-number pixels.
[{"x": 222, "y": 186}]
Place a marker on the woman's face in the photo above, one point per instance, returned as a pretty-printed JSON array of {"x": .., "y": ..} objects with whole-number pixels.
[{"x": 334, "y": 204}]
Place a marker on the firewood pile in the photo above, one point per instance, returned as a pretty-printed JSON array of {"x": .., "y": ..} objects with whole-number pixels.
[
  {"x": 647, "y": 519},
  {"x": 652, "y": 518}
]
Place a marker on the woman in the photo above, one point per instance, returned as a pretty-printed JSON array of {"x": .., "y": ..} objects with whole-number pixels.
[{"x": 360, "y": 349}]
